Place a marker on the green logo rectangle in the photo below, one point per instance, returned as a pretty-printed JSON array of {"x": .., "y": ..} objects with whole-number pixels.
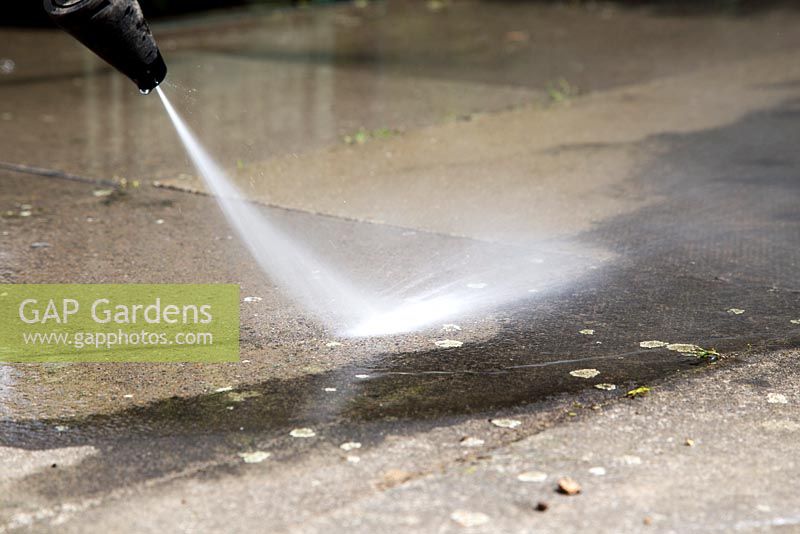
[{"x": 119, "y": 323}]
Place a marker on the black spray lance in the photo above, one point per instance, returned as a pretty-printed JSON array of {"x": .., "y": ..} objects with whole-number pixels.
[{"x": 116, "y": 31}]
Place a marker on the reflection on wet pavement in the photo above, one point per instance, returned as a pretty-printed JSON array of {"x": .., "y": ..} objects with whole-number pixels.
[{"x": 258, "y": 86}]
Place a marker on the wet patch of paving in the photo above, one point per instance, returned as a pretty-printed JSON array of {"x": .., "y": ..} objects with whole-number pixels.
[
  {"x": 725, "y": 236},
  {"x": 528, "y": 362}
]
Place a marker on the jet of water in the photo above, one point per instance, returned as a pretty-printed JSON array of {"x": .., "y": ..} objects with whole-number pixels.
[
  {"x": 443, "y": 287},
  {"x": 295, "y": 269}
]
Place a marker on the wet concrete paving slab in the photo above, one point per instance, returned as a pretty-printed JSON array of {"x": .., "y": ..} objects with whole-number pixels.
[
  {"x": 88, "y": 122},
  {"x": 693, "y": 239},
  {"x": 556, "y": 170},
  {"x": 524, "y": 357},
  {"x": 257, "y": 86}
]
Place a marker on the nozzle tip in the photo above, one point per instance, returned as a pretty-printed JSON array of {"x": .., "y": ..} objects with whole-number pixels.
[{"x": 151, "y": 75}]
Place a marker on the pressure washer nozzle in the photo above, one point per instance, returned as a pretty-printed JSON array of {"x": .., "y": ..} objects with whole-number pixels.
[{"x": 116, "y": 31}]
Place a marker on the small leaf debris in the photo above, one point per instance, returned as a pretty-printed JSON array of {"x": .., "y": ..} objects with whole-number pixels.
[
  {"x": 568, "y": 486},
  {"x": 302, "y": 433},
  {"x": 252, "y": 299},
  {"x": 532, "y": 476},
  {"x": 561, "y": 91},
  {"x": 449, "y": 328},
  {"x": 641, "y": 391},
  {"x": 468, "y": 519},
  {"x": 684, "y": 348},
  {"x": 470, "y": 441},
  {"x": 777, "y": 398},
  {"x": 709, "y": 354},
  {"x": 605, "y": 386},
  {"x": 653, "y": 344},
  {"x": 586, "y": 332},
  {"x": 350, "y": 445},
  {"x": 363, "y": 135},
  {"x": 448, "y": 343},
  {"x": 254, "y": 457},
  {"x": 395, "y": 477},
  {"x": 735, "y": 311},
  {"x": 506, "y": 423},
  {"x": 584, "y": 373},
  {"x": 689, "y": 349}
]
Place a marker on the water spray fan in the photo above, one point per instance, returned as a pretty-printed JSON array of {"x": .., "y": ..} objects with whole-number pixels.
[{"x": 116, "y": 31}]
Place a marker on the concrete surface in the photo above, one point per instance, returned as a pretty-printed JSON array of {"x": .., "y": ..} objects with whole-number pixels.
[
  {"x": 737, "y": 475},
  {"x": 656, "y": 198}
]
